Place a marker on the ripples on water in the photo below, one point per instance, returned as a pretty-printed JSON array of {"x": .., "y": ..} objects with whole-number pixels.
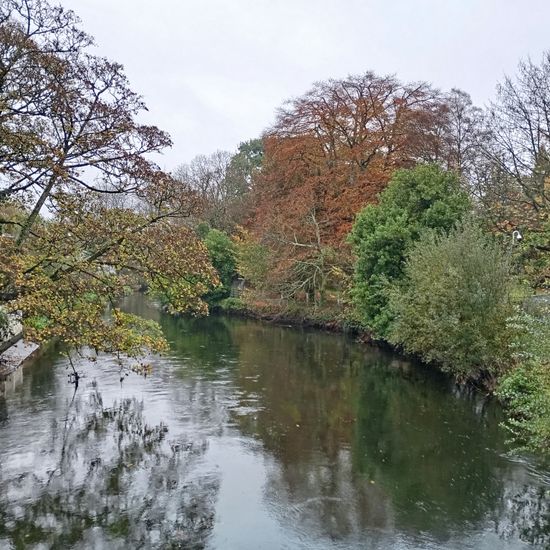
[{"x": 252, "y": 436}]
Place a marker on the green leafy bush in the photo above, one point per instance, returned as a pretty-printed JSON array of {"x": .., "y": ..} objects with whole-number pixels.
[
  {"x": 453, "y": 303},
  {"x": 417, "y": 199},
  {"x": 233, "y": 304},
  {"x": 37, "y": 322},
  {"x": 525, "y": 389},
  {"x": 222, "y": 252}
]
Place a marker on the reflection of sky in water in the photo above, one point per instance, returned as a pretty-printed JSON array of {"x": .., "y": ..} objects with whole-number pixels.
[{"x": 276, "y": 438}]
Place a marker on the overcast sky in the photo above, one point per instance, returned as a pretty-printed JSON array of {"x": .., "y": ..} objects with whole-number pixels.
[{"x": 213, "y": 72}]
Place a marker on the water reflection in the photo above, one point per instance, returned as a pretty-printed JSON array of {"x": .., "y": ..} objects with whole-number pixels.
[
  {"x": 3, "y": 410},
  {"x": 248, "y": 436},
  {"x": 115, "y": 481},
  {"x": 529, "y": 512},
  {"x": 366, "y": 442}
]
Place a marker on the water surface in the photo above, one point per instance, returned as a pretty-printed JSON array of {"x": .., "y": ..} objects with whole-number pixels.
[{"x": 252, "y": 436}]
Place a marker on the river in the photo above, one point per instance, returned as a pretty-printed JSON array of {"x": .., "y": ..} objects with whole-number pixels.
[{"x": 253, "y": 436}]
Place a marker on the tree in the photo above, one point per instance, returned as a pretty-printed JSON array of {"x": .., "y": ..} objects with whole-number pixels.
[
  {"x": 307, "y": 269},
  {"x": 515, "y": 190},
  {"x": 206, "y": 175},
  {"x": 333, "y": 149},
  {"x": 329, "y": 153},
  {"x": 519, "y": 125},
  {"x": 464, "y": 134},
  {"x": 245, "y": 166},
  {"x": 223, "y": 181},
  {"x": 416, "y": 199},
  {"x": 452, "y": 305},
  {"x": 37, "y": 44},
  {"x": 76, "y": 119},
  {"x": 82, "y": 260},
  {"x": 222, "y": 253},
  {"x": 69, "y": 137},
  {"x": 253, "y": 260}
]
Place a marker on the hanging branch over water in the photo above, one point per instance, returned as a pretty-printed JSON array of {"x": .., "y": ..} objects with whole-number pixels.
[{"x": 72, "y": 149}]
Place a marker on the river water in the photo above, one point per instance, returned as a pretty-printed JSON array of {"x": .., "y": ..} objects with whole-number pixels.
[{"x": 252, "y": 436}]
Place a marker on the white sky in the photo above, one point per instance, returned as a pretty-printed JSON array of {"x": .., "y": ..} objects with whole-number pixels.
[{"x": 212, "y": 72}]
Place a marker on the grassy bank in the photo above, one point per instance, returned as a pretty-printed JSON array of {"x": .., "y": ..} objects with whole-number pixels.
[{"x": 330, "y": 317}]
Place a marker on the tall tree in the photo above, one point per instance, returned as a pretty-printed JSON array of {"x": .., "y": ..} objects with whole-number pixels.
[
  {"x": 69, "y": 136},
  {"x": 334, "y": 149},
  {"x": 519, "y": 124},
  {"x": 223, "y": 182},
  {"x": 76, "y": 122},
  {"x": 425, "y": 197},
  {"x": 463, "y": 135},
  {"x": 245, "y": 166},
  {"x": 206, "y": 175},
  {"x": 515, "y": 191},
  {"x": 330, "y": 152},
  {"x": 37, "y": 42}
]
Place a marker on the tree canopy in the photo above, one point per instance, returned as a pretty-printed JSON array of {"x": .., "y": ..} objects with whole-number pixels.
[
  {"x": 70, "y": 143},
  {"x": 424, "y": 197}
]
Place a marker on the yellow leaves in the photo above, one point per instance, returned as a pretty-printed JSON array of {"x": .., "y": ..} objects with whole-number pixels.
[
  {"x": 75, "y": 266},
  {"x": 134, "y": 335}
]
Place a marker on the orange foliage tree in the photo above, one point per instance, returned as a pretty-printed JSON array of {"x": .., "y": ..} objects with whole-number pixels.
[{"x": 330, "y": 152}]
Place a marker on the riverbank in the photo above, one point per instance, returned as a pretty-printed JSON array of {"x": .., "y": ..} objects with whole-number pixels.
[
  {"x": 12, "y": 361},
  {"x": 330, "y": 318}
]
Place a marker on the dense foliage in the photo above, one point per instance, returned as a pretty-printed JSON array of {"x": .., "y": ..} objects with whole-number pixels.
[
  {"x": 452, "y": 306},
  {"x": 252, "y": 260},
  {"x": 222, "y": 253},
  {"x": 525, "y": 389},
  {"x": 425, "y": 197}
]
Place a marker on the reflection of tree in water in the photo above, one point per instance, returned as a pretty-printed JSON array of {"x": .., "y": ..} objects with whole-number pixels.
[
  {"x": 436, "y": 457},
  {"x": 206, "y": 343},
  {"x": 302, "y": 382},
  {"x": 527, "y": 515},
  {"x": 327, "y": 498},
  {"x": 306, "y": 387},
  {"x": 442, "y": 458},
  {"x": 118, "y": 483},
  {"x": 364, "y": 441}
]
